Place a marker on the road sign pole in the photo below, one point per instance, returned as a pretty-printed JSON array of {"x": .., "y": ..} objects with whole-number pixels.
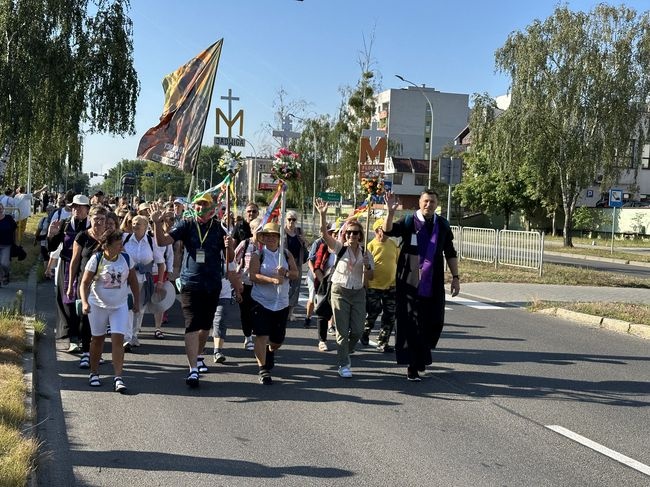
[{"x": 611, "y": 250}]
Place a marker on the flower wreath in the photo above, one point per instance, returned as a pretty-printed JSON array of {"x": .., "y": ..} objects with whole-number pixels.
[
  {"x": 373, "y": 183},
  {"x": 286, "y": 165}
]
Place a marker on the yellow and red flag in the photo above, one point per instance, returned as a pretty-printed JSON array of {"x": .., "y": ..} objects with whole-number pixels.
[{"x": 176, "y": 140}]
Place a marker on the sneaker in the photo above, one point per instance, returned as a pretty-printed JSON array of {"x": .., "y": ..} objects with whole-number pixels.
[
  {"x": 331, "y": 330},
  {"x": 127, "y": 347},
  {"x": 265, "y": 377},
  {"x": 84, "y": 362},
  {"x": 135, "y": 342},
  {"x": 307, "y": 322},
  {"x": 118, "y": 385},
  {"x": 322, "y": 346},
  {"x": 365, "y": 339},
  {"x": 412, "y": 375},
  {"x": 219, "y": 358},
  {"x": 385, "y": 348},
  {"x": 345, "y": 372},
  {"x": 249, "y": 344},
  {"x": 192, "y": 379},
  {"x": 73, "y": 348},
  {"x": 200, "y": 365}
]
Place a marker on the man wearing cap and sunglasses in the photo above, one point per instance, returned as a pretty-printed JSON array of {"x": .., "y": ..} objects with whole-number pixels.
[{"x": 205, "y": 242}]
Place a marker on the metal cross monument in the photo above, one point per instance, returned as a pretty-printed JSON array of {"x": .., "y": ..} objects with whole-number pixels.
[{"x": 286, "y": 133}]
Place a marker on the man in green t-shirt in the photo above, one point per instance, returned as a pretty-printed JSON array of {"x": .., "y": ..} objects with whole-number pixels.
[{"x": 380, "y": 295}]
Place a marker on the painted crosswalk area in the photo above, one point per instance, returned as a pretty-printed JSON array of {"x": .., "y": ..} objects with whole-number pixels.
[
  {"x": 302, "y": 301},
  {"x": 470, "y": 303}
]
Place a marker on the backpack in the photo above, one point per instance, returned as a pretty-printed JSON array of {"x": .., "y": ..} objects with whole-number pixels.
[
  {"x": 149, "y": 239},
  {"x": 261, "y": 256},
  {"x": 322, "y": 297}
]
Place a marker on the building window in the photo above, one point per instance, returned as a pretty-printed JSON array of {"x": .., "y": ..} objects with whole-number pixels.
[
  {"x": 645, "y": 157},
  {"x": 397, "y": 178},
  {"x": 421, "y": 179}
]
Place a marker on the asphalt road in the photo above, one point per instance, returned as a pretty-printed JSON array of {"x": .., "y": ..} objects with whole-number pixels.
[
  {"x": 627, "y": 269},
  {"x": 481, "y": 416}
]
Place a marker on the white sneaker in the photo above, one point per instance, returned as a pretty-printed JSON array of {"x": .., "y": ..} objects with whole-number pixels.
[
  {"x": 74, "y": 348},
  {"x": 345, "y": 372},
  {"x": 219, "y": 358},
  {"x": 134, "y": 341},
  {"x": 248, "y": 343}
]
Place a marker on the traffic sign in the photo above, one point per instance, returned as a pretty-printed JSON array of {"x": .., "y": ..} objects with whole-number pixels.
[
  {"x": 615, "y": 198},
  {"x": 330, "y": 196},
  {"x": 450, "y": 170}
]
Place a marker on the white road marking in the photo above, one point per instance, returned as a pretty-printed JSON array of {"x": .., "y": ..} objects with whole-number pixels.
[
  {"x": 302, "y": 300},
  {"x": 471, "y": 303},
  {"x": 619, "y": 457}
]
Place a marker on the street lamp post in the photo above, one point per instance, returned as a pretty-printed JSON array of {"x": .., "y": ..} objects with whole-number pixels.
[{"x": 430, "y": 124}]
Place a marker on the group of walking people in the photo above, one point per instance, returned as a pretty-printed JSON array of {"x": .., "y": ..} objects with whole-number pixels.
[{"x": 221, "y": 271}]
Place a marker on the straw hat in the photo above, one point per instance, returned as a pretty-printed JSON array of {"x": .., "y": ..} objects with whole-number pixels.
[
  {"x": 270, "y": 228},
  {"x": 163, "y": 299}
]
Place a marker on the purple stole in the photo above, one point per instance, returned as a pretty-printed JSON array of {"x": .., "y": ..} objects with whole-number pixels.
[{"x": 427, "y": 244}]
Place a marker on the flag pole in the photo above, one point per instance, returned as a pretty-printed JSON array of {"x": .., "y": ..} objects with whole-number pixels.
[
  {"x": 368, "y": 220},
  {"x": 283, "y": 208}
]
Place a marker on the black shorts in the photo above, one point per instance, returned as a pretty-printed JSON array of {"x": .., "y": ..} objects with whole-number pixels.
[
  {"x": 270, "y": 323},
  {"x": 199, "y": 308}
]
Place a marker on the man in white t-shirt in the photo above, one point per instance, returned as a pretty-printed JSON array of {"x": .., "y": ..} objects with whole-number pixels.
[{"x": 24, "y": 204}]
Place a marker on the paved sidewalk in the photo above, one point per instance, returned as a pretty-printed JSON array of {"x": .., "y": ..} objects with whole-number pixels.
[{"x": 520, "y": 294}]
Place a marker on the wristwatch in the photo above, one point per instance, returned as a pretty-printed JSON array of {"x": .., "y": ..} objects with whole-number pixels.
[{"x": 286, "y": 274}]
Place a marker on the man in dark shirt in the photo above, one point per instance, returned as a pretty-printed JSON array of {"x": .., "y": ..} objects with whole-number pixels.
[
  {"x": 205, "y": 241},
  {"x": 427, "y": 239},
  {"x": 242, "y": 229}
]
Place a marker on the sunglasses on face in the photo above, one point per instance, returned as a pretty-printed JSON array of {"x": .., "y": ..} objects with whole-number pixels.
[
  {"x": 251, "y": 211},
  {"x": 352, "y": 232},
  {"x": 291, "y": 219}
]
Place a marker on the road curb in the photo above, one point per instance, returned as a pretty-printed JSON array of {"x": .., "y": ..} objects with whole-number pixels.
[{"x": 592, "y": 321}]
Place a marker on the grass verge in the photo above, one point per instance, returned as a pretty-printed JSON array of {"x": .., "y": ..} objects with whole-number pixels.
[
  {"x": 17, "y": 453},
  {"x": 633, "y": 313},
  {"x": 601, "y": 252},
  {"x": 20, "y": 269},
  {"x": 472, "y": 271}
]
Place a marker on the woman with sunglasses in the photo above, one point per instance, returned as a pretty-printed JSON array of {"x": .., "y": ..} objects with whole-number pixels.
[
  {"x": 85, "y": 245},
  {"x": 297, "y": 245},
  {"x": 353, "y": 268}
]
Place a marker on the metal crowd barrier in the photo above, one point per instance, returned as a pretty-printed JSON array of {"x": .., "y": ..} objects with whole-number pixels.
[{"x": 501, "y": 247}]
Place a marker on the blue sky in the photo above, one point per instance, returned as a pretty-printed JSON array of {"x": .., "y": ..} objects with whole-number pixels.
[{"x": 311, "y": 49}]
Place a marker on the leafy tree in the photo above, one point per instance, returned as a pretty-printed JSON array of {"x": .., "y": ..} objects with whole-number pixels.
[
  {"x": 113, "y": 182},
  {"x": 491, "y": 181},
  {"x": 354, "y": 116},
  {"x": 580, "y": 88},
  {"x": 65, "y": 68},
  {"x": 318, "y": 147}
]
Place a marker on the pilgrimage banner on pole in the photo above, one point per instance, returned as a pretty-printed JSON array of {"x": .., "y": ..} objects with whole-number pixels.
[{"x": 176, "y": 140}]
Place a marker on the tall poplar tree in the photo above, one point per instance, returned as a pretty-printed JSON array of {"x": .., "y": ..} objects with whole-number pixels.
[
  {"x": 580, "y": 89},
  {"x": 66, "y": 69}
]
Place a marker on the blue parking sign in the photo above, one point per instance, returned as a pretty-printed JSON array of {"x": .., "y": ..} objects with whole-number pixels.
[{"x": 615, "y": 198}]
